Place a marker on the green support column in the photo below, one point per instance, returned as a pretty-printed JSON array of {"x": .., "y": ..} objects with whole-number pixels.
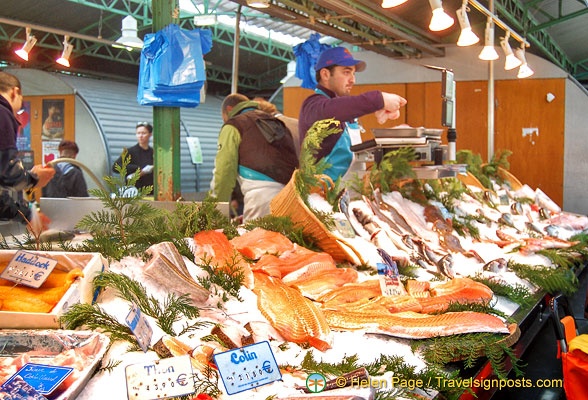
[{"x": 166, "y": 123}]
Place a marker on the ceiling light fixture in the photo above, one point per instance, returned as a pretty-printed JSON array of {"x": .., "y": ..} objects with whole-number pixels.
[
  {"x": 258, "y": 3},
  {"x": 205, "y": 19},
  {"x": 511, "y": 60},
  {"x": 24, "y": 51},
  {"x": 524, "y": 70},
  {"x": 440, "y": 20},
  {"x": 467, "y": 37},
  {"x": 67, "y": 49},
  {"x": 129, "y": 38},
  {"x": 488, "y": 53},
  {"x": 392, "y": 3}
]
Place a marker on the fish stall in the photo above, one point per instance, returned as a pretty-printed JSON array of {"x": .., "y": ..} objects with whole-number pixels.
[{"x": 388, "y": 286}]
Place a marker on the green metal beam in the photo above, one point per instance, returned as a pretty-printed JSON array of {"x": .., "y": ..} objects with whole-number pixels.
[
  {"x": 517, "y": 17},
  {"x": 557, "y": 20},
  {"x": 140, "y": 9}
]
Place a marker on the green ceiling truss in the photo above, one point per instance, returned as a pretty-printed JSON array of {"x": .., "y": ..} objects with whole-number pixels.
[
  {"x": 51, "y": 41},
  {"x": 517, "y": 14}
]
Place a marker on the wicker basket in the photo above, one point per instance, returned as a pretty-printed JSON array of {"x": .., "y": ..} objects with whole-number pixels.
[
  {"x": 471, "y": 180},
  {"x": 288, "y": 203},
  {"x": 515, "y": 184}
]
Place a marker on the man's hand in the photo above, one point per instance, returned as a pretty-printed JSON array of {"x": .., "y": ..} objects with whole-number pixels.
[
  {"x": 45, "y": 174},
  {"x": 391, "y": 110}
]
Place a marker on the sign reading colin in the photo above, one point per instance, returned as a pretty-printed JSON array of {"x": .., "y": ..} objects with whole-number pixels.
[
  {"x": 247, "y": 367},
  {"x": 27, "y": 268}
]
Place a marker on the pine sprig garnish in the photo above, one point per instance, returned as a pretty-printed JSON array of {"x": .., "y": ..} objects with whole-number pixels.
[
  {"x": 173, "y": 309},
  {"x": 517, "y": 293},
  {"x": 394, "y": 165},
  {"x": 208, "y": 382},
  {"x": 192, "y": 218},
  {"x": 552, "y": 280},
  {"x": 229, "y": 277},
  {"x": 94, "y": 317},
  {"x": 110, "y": 366},
  {"x": 347, "y": 364}
]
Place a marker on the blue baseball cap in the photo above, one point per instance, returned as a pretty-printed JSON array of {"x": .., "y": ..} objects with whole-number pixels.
[{"x": 338, "y": 56}]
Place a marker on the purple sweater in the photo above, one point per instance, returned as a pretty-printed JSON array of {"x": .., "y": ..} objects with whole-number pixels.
[{"x": 344, "y": 109}]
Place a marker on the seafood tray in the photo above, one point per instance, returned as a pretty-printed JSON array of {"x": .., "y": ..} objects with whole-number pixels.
[
  {"x": 80, "y": 291},
  {"x": 85, "y": 348}
]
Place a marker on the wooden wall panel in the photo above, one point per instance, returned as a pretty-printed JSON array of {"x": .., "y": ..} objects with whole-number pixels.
[
  {"x": 416, "y": 104},
  {"x": 537, "y": 160},
  {"x": 472, "y": 117},
  {"x": 293, "y": 98}
]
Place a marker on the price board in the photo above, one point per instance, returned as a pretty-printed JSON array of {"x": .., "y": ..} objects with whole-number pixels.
[
  {"x": 43, "y": 378},
  {"x": 160, "y": 379},
  {"x": 247, "y": 367},
  {"x": 28, "y": 268},
  {"x": 140, "y": 327}
]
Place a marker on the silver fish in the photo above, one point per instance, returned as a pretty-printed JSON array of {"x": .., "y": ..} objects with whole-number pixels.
[
  {"x": 497, "y": 266},
  {"x": 445, "y": 266},
  {"x": 544, "y": 213},
  {"x": 534, "y": 227},
  {"x": 560, "y": 232},
  {"x": 506, "y": 219},
  {"x": 516, "y": 208}
]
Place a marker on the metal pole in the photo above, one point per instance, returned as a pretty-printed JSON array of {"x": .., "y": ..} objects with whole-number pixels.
[
  {"x": 166, "y": 123},
  {"x": 491, "y": 100},
  {"x": 235, "y": 81}
]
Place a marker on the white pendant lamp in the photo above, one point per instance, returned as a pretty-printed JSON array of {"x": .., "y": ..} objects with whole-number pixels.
[
  {"x": 511, "y": 61},
  {"x": 24, "y": 51},
  {"x": 67, "y": 49},
  {"x": 524, "y": 70},
  {"x": 467, "y": 37},
  {"x": 129, "y": 38},
  {"x": 488, "y": 53},
  {"x": 440, "y": 20}
]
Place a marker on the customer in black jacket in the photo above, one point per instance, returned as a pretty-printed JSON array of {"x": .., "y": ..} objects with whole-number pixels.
[
  {"x": 14, "y": 178},
  {"x": 141, "y": 156},
  {"x": 69, "y": 179}
]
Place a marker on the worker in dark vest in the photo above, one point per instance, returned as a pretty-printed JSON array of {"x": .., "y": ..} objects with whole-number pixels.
[{"x": 256, "y": 149}]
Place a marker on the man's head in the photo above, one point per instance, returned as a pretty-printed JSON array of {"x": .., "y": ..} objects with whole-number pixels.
[
  {"x": 144, "y": 131},
  {"x": 336, "y": 68},
  {"x": 68, "y": 149},
  {"x": 229, "y": 102},
  {"x": 11, "y": 90}
]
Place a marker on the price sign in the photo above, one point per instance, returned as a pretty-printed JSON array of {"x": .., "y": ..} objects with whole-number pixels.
[
  {"x": 247, "y": 367},
  {"x": 140, "y": 327},
  {"x": 389, "y": 280},
  {"x": 28, "y": 268},
  {"x": 160, "y": 379},
  {"x": 17, "y": 389},
  {"x": 43, "y": 378}
]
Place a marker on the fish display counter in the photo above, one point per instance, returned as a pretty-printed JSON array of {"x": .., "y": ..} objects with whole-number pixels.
[{"x": 407, "y": 289}]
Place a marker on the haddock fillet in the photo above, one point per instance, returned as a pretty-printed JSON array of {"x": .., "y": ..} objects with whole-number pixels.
[
  {"x": 412, "y": 325},
  {"x": 296, "y": 318},
  {"x": 258, "y": 242},
  {"x": 216, "y": 245}
]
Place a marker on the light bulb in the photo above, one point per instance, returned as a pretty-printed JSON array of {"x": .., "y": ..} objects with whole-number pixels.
[
  {"x": 524, "y": 70},
  {"x": 511, "y": 62},
  {"x": 488, "y": 53},
  {"x": 392, "y": 3},
  {"x": 467, "y": 37},
  {"x": 440, "y": 20}
]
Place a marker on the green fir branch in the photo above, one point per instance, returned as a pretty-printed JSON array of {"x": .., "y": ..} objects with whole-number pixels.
[
  {"x": 552, "y": 280},
  {"x": 518, "y": 293},
  {"x": 395, "y": 165},
  {"x": 229, "y": 277},
  {"x": 93, "y": 317},
  {"x": 110, "y": 366}
]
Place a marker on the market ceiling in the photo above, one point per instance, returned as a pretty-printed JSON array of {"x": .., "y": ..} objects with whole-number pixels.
[{"x": 553, "y": 28}]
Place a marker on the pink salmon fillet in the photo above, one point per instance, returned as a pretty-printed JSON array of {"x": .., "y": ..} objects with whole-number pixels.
[
  {"x": 418, "y": 288},
  {"x": 296, "y": 318},
  {"x": 295, "y": 263},
  {"x": 314, "y": 285},
  {"x": 216, "y": 245},
  {"x": 258, "y": 242},
  {"x": 381, "y": 304},
  {"x": 412, "y": 325},
  {"x": 352, "y": 292},
  {"x": 457, "y": 290}
]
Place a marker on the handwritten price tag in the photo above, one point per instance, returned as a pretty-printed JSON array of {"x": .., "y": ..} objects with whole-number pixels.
[
  {"x": 43, "y": 378},
  {"x": 160, "y": 379},
  {"x": 17, "y": 389},
  {"x": 247, "y": 367},
  {"x": 140, "y": 327},
  {"x": 29, "y": 269},
  {"x": 389, "y": 280}
]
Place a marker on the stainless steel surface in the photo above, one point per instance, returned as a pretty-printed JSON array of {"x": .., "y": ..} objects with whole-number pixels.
[
  {"x": 437, "y": 171},
  {"x": 398, "y": 132},
  {"x": 66, "y": 213}
]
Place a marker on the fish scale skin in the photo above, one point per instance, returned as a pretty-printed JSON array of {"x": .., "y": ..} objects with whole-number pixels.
[
  {"x": 296, "y": 318},
  {"x": 413, "y": 325}
]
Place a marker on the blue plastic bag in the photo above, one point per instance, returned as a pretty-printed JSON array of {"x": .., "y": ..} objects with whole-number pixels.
[
  {"x": 172, "y": 68},
  {"x": 307, "y": 54}
]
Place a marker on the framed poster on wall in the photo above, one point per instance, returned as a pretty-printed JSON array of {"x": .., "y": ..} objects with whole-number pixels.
[
  {"x": 50, "y": 150},
  {"x": 53, "y": 127},
  {"x": 23, "y": 138}
]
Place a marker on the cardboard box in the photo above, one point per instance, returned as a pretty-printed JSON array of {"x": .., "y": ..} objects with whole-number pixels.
[{"x": 81, "y": 291}]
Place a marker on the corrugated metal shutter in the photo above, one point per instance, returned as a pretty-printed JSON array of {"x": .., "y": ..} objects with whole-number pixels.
[{"x": 115, "y": 106}]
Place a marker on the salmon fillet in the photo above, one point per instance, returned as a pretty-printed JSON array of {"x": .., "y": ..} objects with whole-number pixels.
[
  {"x": 412, "y": 325},
  {"x": 418, "y": 288},
  {"x": 258, "y": 242},
  {"x": 299, "y": 259},
  {"x": 380, "y": 304},
  {"x": 458, "y": 290},
  {"x": 352, "y": 292},
  {"x": 296, "y": 318},
  {"x": 216, "y": 245},
  {"x": 313, "y": 286}
]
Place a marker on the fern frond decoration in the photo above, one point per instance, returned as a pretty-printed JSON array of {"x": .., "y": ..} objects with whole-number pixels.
[{"x": 552, "y": 280}]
